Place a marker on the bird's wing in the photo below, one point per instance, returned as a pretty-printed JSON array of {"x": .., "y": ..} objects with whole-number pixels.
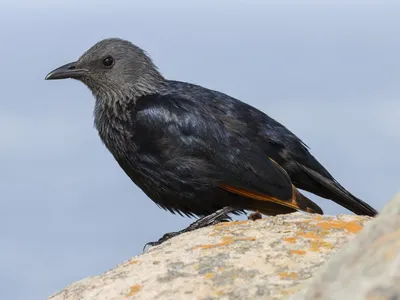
[
  {"x": 183, "y": 130},
  {"x": 284, "y": 147},
  {"x": 296, "y": 201},
  {"x": 293, "y": 155}
]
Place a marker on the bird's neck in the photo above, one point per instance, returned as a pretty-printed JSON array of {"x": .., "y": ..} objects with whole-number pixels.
[
  {"x": 114, "y": 108},
  {"x": 113, "y": 117},
  {"x": 111, "y": 121},
  {"x": 114, "y": 102}
]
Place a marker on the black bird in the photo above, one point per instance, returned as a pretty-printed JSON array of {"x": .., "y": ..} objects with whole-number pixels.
[{"x": 193, "y": 150}]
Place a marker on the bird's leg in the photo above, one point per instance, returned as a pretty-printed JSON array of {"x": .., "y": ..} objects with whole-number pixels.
[{"x": 220, "y": 215}]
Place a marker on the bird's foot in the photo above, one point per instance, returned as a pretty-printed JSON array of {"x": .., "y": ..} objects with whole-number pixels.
[{"x": 220, "y": 215}]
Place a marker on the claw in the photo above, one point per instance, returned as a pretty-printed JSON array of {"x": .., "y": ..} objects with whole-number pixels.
[
  {"x": 164, "y": 238},
  {"x": 219, "y": 216}
]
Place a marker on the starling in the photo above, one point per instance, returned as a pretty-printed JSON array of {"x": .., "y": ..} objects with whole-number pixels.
[{"x": 196, "y": 151}]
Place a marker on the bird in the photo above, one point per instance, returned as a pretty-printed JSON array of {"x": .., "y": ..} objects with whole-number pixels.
[{"x": 195, "y": 151}]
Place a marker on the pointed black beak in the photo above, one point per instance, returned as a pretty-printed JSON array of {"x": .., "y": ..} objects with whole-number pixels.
[{"x": 66, "y": 71}]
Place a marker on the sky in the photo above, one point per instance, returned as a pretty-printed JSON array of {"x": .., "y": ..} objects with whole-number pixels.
[{"x": 329, "y": 72}]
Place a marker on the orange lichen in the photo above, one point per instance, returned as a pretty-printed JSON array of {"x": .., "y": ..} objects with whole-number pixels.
[
  {"x": 309, "y": 234},
  {"x": 219, "y": 268},
  {"x": 221, "y": 226},
  {"x": 246, "y": 239},
  {"x": 298, "y": 252},
  {"x": 134, "y": 262},
  {"x": 317, "y": 245},
  {"x": 213, "y": 233},
  {"x": 210, "y": 246},
  {"x": 291, "y": 275},
  {"x": 291, "y": 240},
  {"x": 133, "y": 290},
  {"x": 216, "y": 232},
  {"x": 352, "y": 226},
  {"x": 226, "y": 240},
  {"x": 209, "y": 275}
]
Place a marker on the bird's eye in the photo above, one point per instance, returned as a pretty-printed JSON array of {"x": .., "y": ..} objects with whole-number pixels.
[{"x": 108, "y": 61}]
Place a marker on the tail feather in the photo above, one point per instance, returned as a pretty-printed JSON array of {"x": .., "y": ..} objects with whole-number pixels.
[
  {"x": 340, "y": 195},
  {"x": 269, "y": 205},
  {"x": 299, "y": 202},
  {"x": 307, "y": 204}
]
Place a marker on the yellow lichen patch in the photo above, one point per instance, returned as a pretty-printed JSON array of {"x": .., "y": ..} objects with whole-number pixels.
[
  {"x": 317, "y": 245},
  {"x": 352, "y": 226},
  {"x": 133, "y": 290},
  {"x": 209, "y": 275},
  {"x": 245, "y": 239},
  {"x": 134, "y": 262},
  {"x": 221, "y": 226},
  {"x": 309, "y": 234},
  {"x": 226, "y": 240},
  {"x": 219, "y": 293},
  {"x": 298, "y": 252},
  {"x": 209, "y": 246},
  {"x": 216, "y": 232},
  {"x": 291, "y": 240},
  {"x": 291, "y": 275}
]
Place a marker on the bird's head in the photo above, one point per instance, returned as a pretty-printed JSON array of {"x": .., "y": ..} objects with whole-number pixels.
[{"x": 113, "y": 69}]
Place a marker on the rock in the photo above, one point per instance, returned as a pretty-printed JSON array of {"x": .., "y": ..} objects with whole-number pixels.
[
  {"x": 270, "y": 258},
  {"x": 366, "y": 268}
]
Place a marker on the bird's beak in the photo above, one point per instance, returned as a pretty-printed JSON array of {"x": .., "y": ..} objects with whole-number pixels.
[{"x": 66, "y": 71}]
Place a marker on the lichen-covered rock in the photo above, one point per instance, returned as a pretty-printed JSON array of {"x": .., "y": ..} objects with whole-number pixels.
[
  {"x": 367, "y": 268},
  {"x": 270, "y": 258}
]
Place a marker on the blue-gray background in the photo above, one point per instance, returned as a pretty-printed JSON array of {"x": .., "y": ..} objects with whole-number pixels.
[{"x": 330, "y": 73}]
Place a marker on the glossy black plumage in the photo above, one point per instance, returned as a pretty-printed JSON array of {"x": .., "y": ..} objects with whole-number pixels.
[
  {"x": 193, "y": 150},
  {"x": 186, "y": 139}
]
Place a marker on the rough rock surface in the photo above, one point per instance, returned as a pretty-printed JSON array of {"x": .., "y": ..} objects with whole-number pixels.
[
  {"x": 366, "y": 268},
  {"x": 270, "y": 258}
]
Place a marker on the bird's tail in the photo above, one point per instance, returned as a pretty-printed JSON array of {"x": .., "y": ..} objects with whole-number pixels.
[
  {"x": 340, "y": 195},
  {"x": 346, "y": 199}
]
